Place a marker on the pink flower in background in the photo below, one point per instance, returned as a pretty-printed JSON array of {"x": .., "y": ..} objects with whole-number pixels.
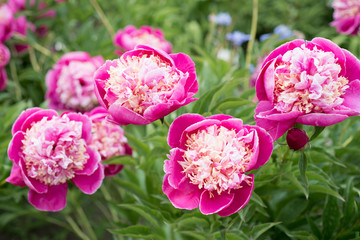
[
  {"x": 346, "y": 16},
  {"x": 3, "y": 79},
  {"x": 208, "y": 162},
  {"x": 4, "y": 55},
  {"x": 145, "y": 84},
  {"x": 307, "y": 82},
  {"x": 6, "y": 22},
  {"x": 128, "y": 38},
  {"x": 108, "y": 139},
  {"x": 47, "y": 150},
  {"x": 70, "y": 82}
]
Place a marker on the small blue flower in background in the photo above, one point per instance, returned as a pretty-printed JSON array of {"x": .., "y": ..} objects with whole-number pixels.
[
  {"x": 281, "y": 30},
  {"x": 237, "y": 38},
  {"x": 223, "y": 18}
]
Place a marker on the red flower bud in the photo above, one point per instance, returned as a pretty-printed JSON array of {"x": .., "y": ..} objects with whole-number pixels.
[{"x": 296, "y": 138}]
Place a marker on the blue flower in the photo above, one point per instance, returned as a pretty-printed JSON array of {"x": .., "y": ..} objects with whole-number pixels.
[
  {"x": 237, "y": 38},
  {"x": 265, "y": 36},
  {"x": 283, "y": 31},
  {"x": 223, "y": 18}
]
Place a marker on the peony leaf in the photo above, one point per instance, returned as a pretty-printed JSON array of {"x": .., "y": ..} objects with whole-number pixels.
[{"x": 331, "y": 217}]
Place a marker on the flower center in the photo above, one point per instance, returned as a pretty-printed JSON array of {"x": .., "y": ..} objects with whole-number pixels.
[
  {"x": 346, "y": 9},
  {"x": 54, "y": 150},
  {"x": 138, "y": 82},
  {"x": 108, "y": 139},
  {"x": 216, "y": 158},
  {"x": 75, "y": 86},
  {"x": 147, "y": 38},
  {"x": 308, "y": 81}
]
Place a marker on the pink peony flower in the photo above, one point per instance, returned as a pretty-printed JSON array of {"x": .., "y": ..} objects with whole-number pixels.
[
  {"x": 4, "y": 55},
  {"x": 128, "y": 38},
  {"x": 70, "y": 82},
  {"x": 312, "y": 83},
  {"x": 108, "y": 139},
  {"x": 346, "y": 16},
  {"x": 208, "y": 162},
  {"x": 48, "y": 150},
  {"x": 6, "y": 22},
  {"x": 3, "y": 79},
  {"x": 145, "y": 84},
  {"x": 296, "y": 138}
]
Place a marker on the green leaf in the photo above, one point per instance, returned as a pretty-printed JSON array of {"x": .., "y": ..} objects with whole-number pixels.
[
  {"x": 143, "y": 211},
  {"x": 124, "y": 159},
  {"x": 296, "y": 182},
  {"x": 303, "y": 163},
  {"x": 331, "y": 217},
  {"x": 325, "y": 190},
  {"x": 292, "y": 209},
  {"x": 192, "y": 221},
  {"x": 316, "y": 133},
  {"x": 349, "y": 206},
  {"x": 194, "y": 235},
  {"x": 231, "y": 103},
  {"x": 137, "y": 231},
  {"x": 262, "y": 228}
]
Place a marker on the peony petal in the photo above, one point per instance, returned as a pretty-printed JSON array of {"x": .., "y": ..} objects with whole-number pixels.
[
  {"x": 179, "y": 125},
  {"x": 38, "y": 116},
  {"x": 352, "y": 96},
  {"x": 15, "y": 145},
  {"x": 16, "y": 176},
  {"x": 90, "y": 183},
  {"x": 241, "y": 198},
  {"x": 187, "y": 196},
  {"x": 265, "y": 147},
  {"x": 74, "y": 56},
  {"x": 124, "y": 116},
  {"x": 91, "y": 164},
  {"x": 213, "y": 204},
  {"x": 321, "y": 119},
  {"x": 233, "y": 123},
  {"x": 352, "y": 66},
  {"x": 86, "y": 124},
  {"x": 22, "y": 117},
  {"x": 175, "y": 170},
  {"x": 53, "y": 200},
  {"x": 32, "y": 183}
]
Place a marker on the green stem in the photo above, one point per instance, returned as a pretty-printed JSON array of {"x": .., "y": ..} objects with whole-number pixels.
[
  {"x": 33, "y": 59},
  {"x": 76, "y": 228},
  {"x": 85, "y": 222},
  {"x": 16, "y": 79},
  {"x": 103, "y": 18},
  {"x": 107, "y": 197},
  {"x": 35, "y": 45},
  {"x": 250, "y": 45},
  {"x": 166, "y": 123}
]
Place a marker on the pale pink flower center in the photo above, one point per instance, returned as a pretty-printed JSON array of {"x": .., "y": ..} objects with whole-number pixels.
[
  {"x": 147, "y": 39},
  {"x": 346, "y": 8},
  {"x": 138, "y": 82},
  {"x": 75, "y": 86},
  {"x": 216, "y": 158},
  {"x": 308, "y": 81},
  {"x": 54, "y": 150},
  {"x": 108, "y": 139}
]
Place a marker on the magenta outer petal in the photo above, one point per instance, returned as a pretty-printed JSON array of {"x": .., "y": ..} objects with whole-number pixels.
[
  {"x": 91, "y": 164},
  {"x": 74, "y": 56},
  {"x": 185, "y": 64},
  {"x": 112, "y": 169},
  {"x": 265, "y": 75},
  {"x": 241, "y": 198},
  {"x": 22, "y": 117},
  {"x": 179, "y": 125},
  {"x": 3, "y": 79},
  {"x": 37, "y": 116},
  {"x": 321, "y": 119},
  {"x": 86, "y": 124},
  {"x": 265, "y": 147},
  {"x": 53, "y": 200},
  {"x": 157, "y": 51},
  {"x": 352, "y": 66},
  {"x": 233, "y": 123},
  {"x": 187, "y": 196},
  {"x": 32, "y": 183},
  {"x": 124, "y": 116},
  {"x": 209, "y": 205},
  {"x": 175, "y": 170},
  {"x": 16, "y": 176},
  {"x": 89, "y": 184},
  {"x": 14, "y": 150},
  {"x": 352, "y": 96},
  {"x": 98, "y": 113}
]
